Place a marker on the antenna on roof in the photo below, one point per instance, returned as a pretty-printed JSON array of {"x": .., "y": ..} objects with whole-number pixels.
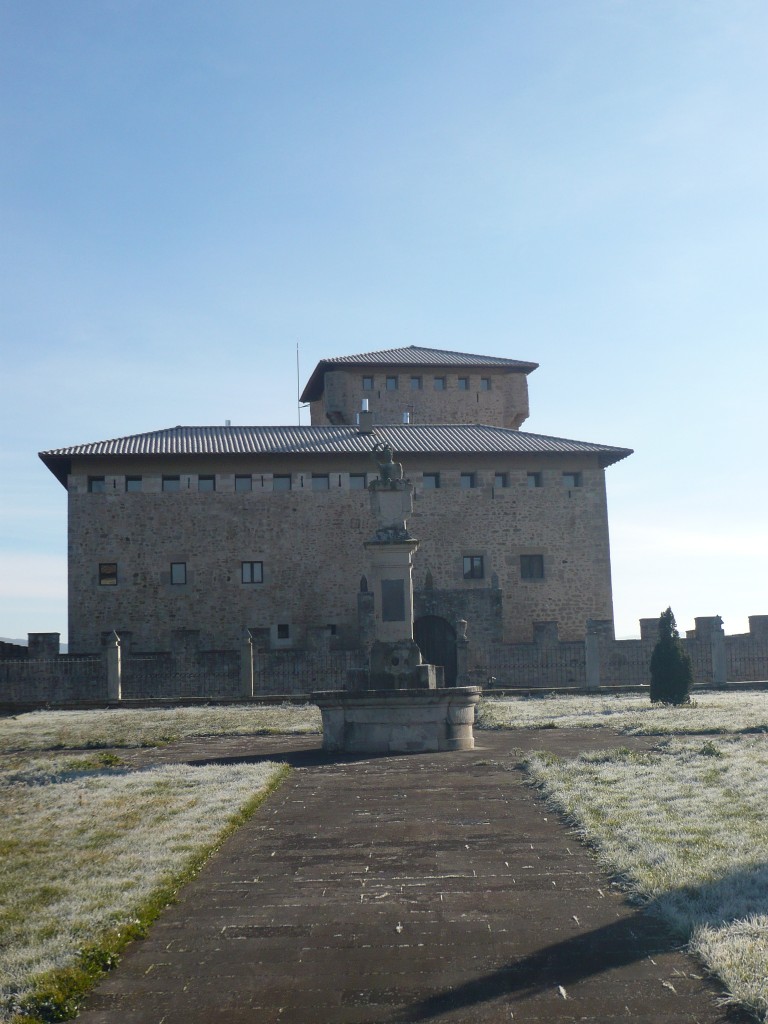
[{"x": 298, "y": 384}]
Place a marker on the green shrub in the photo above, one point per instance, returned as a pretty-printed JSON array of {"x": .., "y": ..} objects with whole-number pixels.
[{"x": 671, "y": 672}]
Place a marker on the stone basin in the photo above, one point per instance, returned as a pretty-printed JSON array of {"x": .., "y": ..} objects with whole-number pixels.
[{"x": 398, "y": 721}]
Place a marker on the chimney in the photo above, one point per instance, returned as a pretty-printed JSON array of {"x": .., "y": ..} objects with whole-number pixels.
[{"x": 365, "y": 418}]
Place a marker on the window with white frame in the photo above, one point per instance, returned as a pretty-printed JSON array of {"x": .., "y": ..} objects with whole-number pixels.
[{"x": 252, "y": 572}]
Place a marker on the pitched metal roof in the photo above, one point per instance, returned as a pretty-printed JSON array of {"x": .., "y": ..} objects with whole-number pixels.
[
  {"x": 405, "y": 439},
  {"x": 412, "y": 355}
]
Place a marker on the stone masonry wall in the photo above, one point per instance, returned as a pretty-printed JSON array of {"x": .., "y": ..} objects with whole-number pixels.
[
  {"x": 504, "y": 405},
  {"x": 310, "y": 545}
]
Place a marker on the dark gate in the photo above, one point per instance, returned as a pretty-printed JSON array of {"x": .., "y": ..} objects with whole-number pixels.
[{"x": 437, "y": 642}]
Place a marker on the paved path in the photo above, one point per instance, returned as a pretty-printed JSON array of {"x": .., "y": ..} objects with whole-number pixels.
[{"x": 403, "y": 889}]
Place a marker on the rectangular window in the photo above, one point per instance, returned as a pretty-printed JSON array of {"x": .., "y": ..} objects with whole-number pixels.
[
  {"x": 367, "y": 383},
  {"x": 473, "y": 567},
  {"x": 572, "y": 480},
  {"x": 96, "y": 485},
  {"x": 485, "y": 383},
  {"x": 107, "y": 574},
  {"x": 252, "y": 572},
  {"x": 416, "y": 383},
  {"x": 391, "y": 383},
  {"x": 532, "y": 567},
  {"x": 357, "y": 481},
  {"x": 171, "y": 483},
  {"x": 206, "y": 483},
  {"x": 439, "y": 383},
  {"x": 431, "y": 481},
  {"x": 467, "y": 481},
  {"x": 281, "y": 483},
  {"x": 178, "y": 573},
  {"x": 243, "y": 483},
  {"x": 500, "y": 480},
  {"x": 534, "y": 479},
  {"x": 320, "y": 482},
  {"x": 463, "y": 383},
  {"x": 133, "y": 484},
  {"x": 283, "y": 631}
]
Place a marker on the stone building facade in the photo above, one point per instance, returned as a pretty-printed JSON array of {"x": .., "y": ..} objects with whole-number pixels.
[{"x": 232, "y": 531}]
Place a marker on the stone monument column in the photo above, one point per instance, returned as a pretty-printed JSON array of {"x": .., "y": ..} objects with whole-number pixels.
[{"x": 391, "y": 552}]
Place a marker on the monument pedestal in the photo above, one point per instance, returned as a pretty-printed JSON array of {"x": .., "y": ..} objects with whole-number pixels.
[
  {"x": 397, "y": 705},
  {"x": 398, "y": 721}
]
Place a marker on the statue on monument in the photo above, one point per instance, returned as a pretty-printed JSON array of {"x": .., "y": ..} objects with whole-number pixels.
[{"x": 390, "y": 472}]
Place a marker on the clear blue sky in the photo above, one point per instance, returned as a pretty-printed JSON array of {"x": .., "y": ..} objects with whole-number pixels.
[{"x": 188, "y": 189}]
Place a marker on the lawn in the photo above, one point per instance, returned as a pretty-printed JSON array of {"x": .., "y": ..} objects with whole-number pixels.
[
  {"x": 91, "y": 849},
  {"x": 683, "y": 826}
]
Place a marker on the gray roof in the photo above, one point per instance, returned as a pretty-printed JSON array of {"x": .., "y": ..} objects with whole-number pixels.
[
  {"x": 412, "y": 355},
  {"x": 405, "y": 439}
]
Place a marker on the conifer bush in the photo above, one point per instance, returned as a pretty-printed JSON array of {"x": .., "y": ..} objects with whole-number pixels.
[{"x": 671, "y": 670}]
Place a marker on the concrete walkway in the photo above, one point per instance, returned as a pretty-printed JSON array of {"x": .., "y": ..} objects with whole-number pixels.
[{"x": 403, "y": 889}]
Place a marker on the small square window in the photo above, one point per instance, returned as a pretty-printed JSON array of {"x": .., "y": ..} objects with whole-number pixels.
[
  {"x": 96, "y": 484},
  {"x": 367, "y": 383},
  {"x": 133, "y": 484},
  {"x": 416, "y": 383},
  {"x": 534, "y": 479},
  {"x": 243, "y": 483},
  {"x": 572, "y": 480},
  {"x": 439, "y": 383},
  {"x": 485, "y": 383},
  {"x": 391, "y": 383},
  {"x": 281, "y": 483},
  {"x": 320, "y": 482},
  {"x": 467, "y": 481},
  {"x": 463, "y": 383},
  {"x": 171, "y": 483},
  {"x": 178, "y": 573},
  {"x": 500, "y": 480},
  {"x": 473, "y": 567},
  {"x": 283, "y": 631},
  {"x": 252, "y": 572},
  {"x": 206, "y": 483},
  {"x": 107, "y": 574},
  {"x": 332, "y": 631},
  {"x": 532, "y": 567},
  {"x": 430, "y": 481},
  {"x": 357, "y": 481}
]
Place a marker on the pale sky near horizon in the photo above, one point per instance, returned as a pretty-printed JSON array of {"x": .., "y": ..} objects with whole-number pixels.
[{"x": 188, "y": 190}]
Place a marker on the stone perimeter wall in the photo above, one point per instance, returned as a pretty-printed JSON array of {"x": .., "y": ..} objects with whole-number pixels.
[{"x": 547, "y": 663}]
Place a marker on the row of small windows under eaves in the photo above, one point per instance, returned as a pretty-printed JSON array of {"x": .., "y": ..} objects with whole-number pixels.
[
  {"x": 418, "y": 382},
  {"x": 176, "y": 573},
  {"x": 473, "y": 567},
  {"x": 320, "y": 481},
  {"x": 531, "y": 567}
]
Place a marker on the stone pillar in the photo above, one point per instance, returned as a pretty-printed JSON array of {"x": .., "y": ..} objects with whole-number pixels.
[
  {"x": 462, "y": 653},
  {"x": 43, "y": 645},
  {"x": 649, "y": 629},
  {"x": 717, "y": 639},
  {"x": 592, "y": 655},
  {"x": 114, "y": 669},
  {"x": 246, "y": 666}
]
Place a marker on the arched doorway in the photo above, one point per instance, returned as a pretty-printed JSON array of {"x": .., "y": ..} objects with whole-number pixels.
[{"x": 436, "y": 638}]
